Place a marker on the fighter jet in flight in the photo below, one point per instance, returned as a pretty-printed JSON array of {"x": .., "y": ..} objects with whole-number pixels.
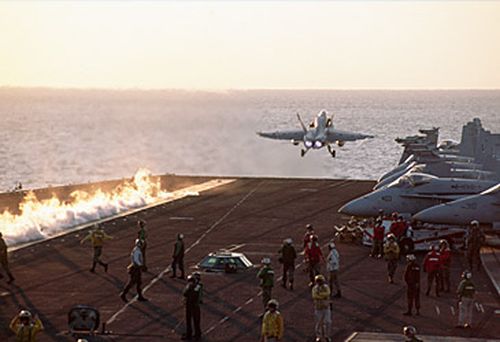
[
  {"x": 319, "y": 134},
  {"x": 484, "y": 207},
  {"x": 412, "y": 193}
]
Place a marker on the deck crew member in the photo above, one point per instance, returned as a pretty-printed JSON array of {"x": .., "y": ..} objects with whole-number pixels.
[
  {"x": 307, "y": 235},
  {"x": 465, "y": 292},
  {"x": 25, "y": 326},
  {"x": 266, "y": 276},
  {"x": 193, "y": 294},
  {"x": 4, "y": 259},
  {"x": 313, "y": 257},
  {"x": 332, "y": 267},
  {"x": 272, "y": 323},
  {"x": 432, "y": 266},
  {"x": 143, "y": 235},
  {"x": 322, "y": 313},
  {"x": 178, "y": 256},
  {"x": 445, "y": 263},
  {"x": 378, "y": 239},
  {"x": 135, "y": 272},
  {"x": 287, "y": 256},
  {"x": 391, "y": 254},
  {"x": 97, "y": 236},
  {"x": 475, "y": 240},
  {"x": 412, "y": 279}
]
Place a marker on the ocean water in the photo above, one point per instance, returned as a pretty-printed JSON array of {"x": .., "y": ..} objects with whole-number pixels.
[{"x": 57, "y": 137}]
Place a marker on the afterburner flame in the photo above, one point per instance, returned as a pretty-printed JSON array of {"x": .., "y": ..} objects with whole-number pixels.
[{"x": 39, "y": 219}]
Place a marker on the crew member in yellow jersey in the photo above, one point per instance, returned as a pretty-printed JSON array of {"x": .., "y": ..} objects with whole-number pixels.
[
  {"x": 272, "y": 323},
  {"x": 25, "y": 326},
  {"x": 97, "y": 237}
]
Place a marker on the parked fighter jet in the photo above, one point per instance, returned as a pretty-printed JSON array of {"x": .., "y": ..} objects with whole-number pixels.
[
  {"x": 440, "y": 169},
  {"x": 320, "y": 133},
  {"x": 484, "y": 207},
  {"x": 412, "y": 193},
  {"x": 427, "y": 156}
]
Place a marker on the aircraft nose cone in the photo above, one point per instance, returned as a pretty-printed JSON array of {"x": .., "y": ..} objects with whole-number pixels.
[{"x": 358, "y": 207}]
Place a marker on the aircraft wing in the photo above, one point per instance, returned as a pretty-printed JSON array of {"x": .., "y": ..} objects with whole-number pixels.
[
  {"x": 283, "y": 135},
  {"x": 334, "y": 135},
  {"x": 435, "y": 196}
]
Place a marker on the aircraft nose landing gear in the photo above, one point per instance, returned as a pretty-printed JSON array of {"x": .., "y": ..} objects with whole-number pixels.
[
  {"x": 332, "y": 151},
  {"x": 303, "y": 152}
]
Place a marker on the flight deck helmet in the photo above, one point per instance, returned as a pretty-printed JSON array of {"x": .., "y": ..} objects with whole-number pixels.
[
  {"x": 272, "y": 304},
  {"x": 467, "y": 275},
  {"x": 266, "y": 261},
  {"x": 319, "y": 279},
  {"x": 409, "y": 331},
  {"x": 411, "y": 257},
  {"x": 25, "y": 316}
]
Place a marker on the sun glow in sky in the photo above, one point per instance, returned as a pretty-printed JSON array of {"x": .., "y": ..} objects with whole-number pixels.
[{"x": 261, "y": 44}]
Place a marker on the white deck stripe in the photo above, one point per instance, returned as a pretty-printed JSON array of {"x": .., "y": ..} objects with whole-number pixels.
[{"x": 167, "y": 269}]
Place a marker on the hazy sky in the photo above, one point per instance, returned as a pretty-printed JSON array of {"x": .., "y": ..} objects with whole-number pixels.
[{"x": 262, "y": 44}]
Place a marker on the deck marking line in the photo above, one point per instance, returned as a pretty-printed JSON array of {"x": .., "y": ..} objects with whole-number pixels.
[
  {"x": 167, "y": 269},
  {"x": 452, "y": 310},
  {"x": 437, "y": 310}
]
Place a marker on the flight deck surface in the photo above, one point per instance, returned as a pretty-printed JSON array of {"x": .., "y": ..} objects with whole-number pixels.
[{"x": 251, "y": 216}]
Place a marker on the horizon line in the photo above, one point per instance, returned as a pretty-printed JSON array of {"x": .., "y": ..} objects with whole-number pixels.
[{"x": 194, "y": 89}]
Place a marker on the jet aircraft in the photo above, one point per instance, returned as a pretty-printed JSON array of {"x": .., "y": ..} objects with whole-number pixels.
[
  {"x": 484, "y": 207},
  {"x": 319, "y": 134},
  {"x": 412, "y": 193}
]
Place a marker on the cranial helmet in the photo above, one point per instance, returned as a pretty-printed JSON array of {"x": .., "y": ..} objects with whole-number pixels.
[
  {"x": 467, "y": 275},
  {"x": 391, "y": 236},
  {"x": 288, "y": 241},
  {"x": 474, "y": 223},
  {"x": 319, "y": 278},
  {"x": 409, "y": 331},
  {"x": 266, "y": 261},
  {"x": 309, "y": 226},
  {"x": 273, "y": 303},
  {"x": 138, "y": 242},
  {"x": 331, "y": 245},
  {"x": 180, "y": 236},
  {"x": 24, "y": 314},
  {"x": 411, "y": 257},
  {"x": 141, "y": 223}
]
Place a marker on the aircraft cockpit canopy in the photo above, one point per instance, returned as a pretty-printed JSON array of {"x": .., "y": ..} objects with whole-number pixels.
[{"x": 412, "y": 180}]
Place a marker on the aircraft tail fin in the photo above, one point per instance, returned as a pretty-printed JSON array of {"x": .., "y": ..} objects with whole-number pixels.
[{"x": 301, "y": 123}]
